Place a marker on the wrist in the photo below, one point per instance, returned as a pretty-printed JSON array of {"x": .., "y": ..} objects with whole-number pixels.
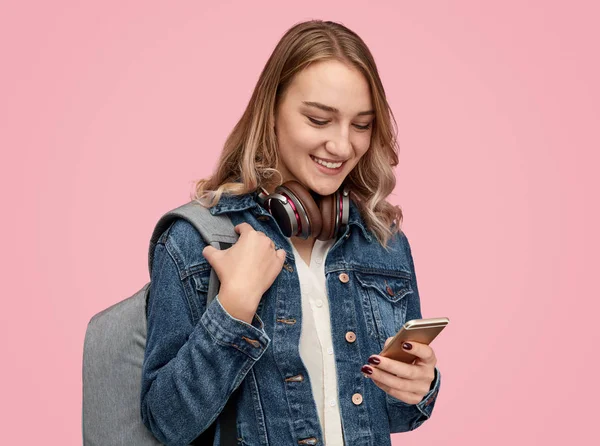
[{"x": 232, "y": 305}]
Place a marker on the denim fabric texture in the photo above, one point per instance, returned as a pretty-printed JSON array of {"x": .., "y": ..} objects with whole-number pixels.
[{"x": 195, "y": 359}]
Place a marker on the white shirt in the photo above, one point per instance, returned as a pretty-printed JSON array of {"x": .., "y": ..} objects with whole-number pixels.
[{"x": 316, "y": 346}]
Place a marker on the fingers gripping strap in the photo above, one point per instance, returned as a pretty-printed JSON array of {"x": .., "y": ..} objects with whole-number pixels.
[{"x": 214, "y": 229}]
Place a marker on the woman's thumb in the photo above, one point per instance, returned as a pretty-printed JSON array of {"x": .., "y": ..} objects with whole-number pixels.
[
  {"x": 281, "y": 255},
  {"x": 208, "y": 252}
]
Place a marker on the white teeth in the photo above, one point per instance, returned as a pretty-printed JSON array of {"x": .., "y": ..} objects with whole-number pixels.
[{"x": 326, "y": 164}]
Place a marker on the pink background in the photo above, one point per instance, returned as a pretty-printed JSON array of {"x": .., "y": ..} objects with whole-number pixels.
[{"x": 109, "y": 112}]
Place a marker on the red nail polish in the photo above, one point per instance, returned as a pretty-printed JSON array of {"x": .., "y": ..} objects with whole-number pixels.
[
  {"x": 407, "y": 346},
  {"x": 366, "y": 369},
  {"x": 374, "y": 360}
]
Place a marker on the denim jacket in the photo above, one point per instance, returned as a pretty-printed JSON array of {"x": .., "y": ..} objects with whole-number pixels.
[{"x": 196, "y": 357}]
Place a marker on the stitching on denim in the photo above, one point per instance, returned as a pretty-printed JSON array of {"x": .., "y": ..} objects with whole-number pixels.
[
  {"x": 195, "y": 269},
  {"x": 260, "y": 416},
  {"x": 392, "y": 273},
  {"x": 172, "y": 251},
  {"x": 367, "y": 312}
]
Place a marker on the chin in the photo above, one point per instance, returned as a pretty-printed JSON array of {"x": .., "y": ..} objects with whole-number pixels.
[{"x": 325, "y": 188}]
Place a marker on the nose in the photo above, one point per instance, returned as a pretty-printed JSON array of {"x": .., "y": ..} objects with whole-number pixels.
[{"x": 340, "y": 147}]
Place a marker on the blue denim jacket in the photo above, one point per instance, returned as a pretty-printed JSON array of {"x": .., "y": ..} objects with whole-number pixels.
[{"x": 195, "y": 359}]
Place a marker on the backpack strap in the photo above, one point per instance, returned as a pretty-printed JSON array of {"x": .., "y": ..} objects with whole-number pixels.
[
  {"x": 216, "y": 230},
  {"x": 219, "y": 232}
]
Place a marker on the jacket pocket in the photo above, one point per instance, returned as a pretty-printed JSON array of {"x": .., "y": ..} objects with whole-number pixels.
[{"x": 384, "y": 299}]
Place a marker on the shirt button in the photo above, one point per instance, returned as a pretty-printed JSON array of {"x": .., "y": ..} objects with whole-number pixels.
[
  {"x": 319, "y": 303},
  {"x": 318, "y": 259},
  {"x": 357, "y": 398},
  {"x": 332, "y": 403},
  {"x": 344, "y": 278},
  {"x": 330, "y": 351},
  {"x": 350, "y": 336}
]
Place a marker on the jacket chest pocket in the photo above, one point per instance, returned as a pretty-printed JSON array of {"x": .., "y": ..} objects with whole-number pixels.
[{"x": 384, "y": 298}]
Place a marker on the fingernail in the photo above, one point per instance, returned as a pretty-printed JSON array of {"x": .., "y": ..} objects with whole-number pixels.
[
  {"x": 374, "y": 360},
  {"x": 407, "y": 346},
  {"x": 366, "y": 369}
]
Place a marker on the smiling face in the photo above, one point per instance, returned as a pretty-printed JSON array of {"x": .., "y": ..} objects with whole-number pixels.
[{"x": 324, "y": 119}]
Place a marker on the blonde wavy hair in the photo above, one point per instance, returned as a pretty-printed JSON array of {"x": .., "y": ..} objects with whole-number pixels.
[{"x": 250, "y": 153}]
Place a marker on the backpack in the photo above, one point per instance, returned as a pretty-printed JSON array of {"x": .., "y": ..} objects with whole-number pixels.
[{"x": 114, "y": 346}]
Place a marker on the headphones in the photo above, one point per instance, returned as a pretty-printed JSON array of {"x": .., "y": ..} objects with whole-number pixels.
[{"x": 303, "y": 213}]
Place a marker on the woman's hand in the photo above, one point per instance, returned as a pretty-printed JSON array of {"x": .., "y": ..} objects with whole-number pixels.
[
  {"x": 406, "y": 382},
  {"x": 246, "y": 270}
]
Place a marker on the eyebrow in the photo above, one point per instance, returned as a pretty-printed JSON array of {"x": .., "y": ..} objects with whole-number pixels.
[{"x": 328, "y": 108}]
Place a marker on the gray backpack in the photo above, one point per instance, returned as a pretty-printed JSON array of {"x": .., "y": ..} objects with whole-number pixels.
[{"x": 114, "y": 346}]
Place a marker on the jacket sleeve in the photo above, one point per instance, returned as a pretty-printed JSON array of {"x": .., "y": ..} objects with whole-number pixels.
[
  {"x": 190, "y": 369},
  {"x": 403, "y": 416}
]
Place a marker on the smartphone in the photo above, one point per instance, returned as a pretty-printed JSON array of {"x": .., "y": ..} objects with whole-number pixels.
[{"x": 418, "y": 330}]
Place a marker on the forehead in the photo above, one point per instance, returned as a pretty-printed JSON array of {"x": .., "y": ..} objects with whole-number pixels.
[{"x": 332, "y": 83}]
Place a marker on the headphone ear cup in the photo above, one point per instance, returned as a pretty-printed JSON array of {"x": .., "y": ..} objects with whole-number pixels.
[
  {"x": 328, "y": 216},
  {"x": 335, "y": 211},
  {"x": 306, "y": 207},
  {"x": 342, "y": 200},
  {"x": 282, "y": 215}
]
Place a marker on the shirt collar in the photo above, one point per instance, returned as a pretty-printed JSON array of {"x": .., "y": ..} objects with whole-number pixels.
[{"x": 249, "y": 201}]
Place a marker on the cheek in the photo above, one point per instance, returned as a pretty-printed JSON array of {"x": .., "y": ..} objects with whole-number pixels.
[
  {"x": 301, "y": 138},
  {"x": 362, "y": 148},
  {"x": 364, "y": 142}
]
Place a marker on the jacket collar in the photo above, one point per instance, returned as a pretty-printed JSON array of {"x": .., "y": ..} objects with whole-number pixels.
[{"x": 249, "y": 201}]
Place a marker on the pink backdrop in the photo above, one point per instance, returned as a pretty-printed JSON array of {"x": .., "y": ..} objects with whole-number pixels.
[{"x": 109, "y": 112}]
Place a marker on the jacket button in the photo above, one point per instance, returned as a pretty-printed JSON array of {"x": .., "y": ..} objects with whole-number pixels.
[
  {"x": 350, "y": 336},
  {"x": 344, "y": 278},
  {"x": 252, "y": 342},
  {"x": 357, "y": 399},
  {"x": 295, "y": 379}
]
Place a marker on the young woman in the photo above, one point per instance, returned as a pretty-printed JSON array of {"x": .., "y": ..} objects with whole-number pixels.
[{"x": 304, "y": 308}]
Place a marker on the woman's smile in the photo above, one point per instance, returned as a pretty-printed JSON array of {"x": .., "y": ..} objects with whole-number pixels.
[{"x": 328, "y": 167}]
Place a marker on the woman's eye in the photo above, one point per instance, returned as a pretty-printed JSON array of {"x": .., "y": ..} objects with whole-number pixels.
[
  {"x": 359, "y": 127},
  {"x": 314, "y": 121}
]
